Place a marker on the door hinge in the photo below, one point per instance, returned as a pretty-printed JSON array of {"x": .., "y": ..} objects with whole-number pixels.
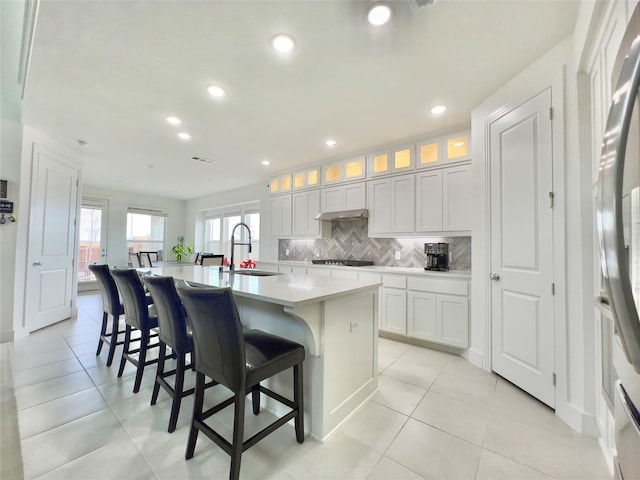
[
  {"x": 73, "y": 262},
  {"x": 550, "y": 113},
  {"x": 551, "y": 197},
  {"x": 553, "y": 288},
  {"x": 553, "y": 378},
  {"x": 77, "y": 182},
  {"x": 71, "y": 303}
]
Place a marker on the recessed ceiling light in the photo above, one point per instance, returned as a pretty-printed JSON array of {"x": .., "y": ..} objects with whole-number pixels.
[
  {"x": 379, "y": 14},
  {"x": 216, "y": 91},
  {"x": 266, "y": 163},
  {"x": 282, "y": 43},
  {"x": 174, "y": 120},
  {"x": 330, "y": 143},
  {"x": 184, "y": 136},
  {"x": 437, "y": 110}
]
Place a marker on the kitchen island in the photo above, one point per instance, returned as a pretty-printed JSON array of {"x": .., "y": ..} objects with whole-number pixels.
[{"x": 335, "y": 319}]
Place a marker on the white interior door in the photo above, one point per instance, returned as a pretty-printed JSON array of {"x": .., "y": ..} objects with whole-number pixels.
[
  {"x": 51, "y": 240},
  {"x": 522, "y": 247}
]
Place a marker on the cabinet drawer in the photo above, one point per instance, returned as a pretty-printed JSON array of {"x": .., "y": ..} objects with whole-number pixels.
[
  {"x": 437, "y": 285},
  {"x": 394, "y": 281},
  {"x": 374, "y": 277}
]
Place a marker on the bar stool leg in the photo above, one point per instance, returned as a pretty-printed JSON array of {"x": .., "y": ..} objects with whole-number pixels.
[
  {"x": 142, "y": 357},
  {"x": 103, "y": 332},
  {"x": 159, "y": 372},
  {"x": 298, "y": 399},
  {"x": 177, "y": 393},
  {"x": 125, "y": 349},
  {"x": 197, "y": 414},
  {"x": 238, "y": 433}
]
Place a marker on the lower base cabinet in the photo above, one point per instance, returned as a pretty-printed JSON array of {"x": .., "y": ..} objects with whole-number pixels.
[
  {"x": 438, "y": 318},
  {"x": 393, "y": 310}
]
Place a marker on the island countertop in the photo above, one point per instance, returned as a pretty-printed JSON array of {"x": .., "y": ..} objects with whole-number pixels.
[{"x": 289, "y": 290}]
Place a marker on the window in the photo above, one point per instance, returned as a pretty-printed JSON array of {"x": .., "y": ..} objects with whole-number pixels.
[
  {"x": 145, "y": 230},
  {"x": 218, "y": 227}
]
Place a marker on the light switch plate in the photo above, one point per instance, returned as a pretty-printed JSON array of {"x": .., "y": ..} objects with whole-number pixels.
[{"x": 398, "y": 254}]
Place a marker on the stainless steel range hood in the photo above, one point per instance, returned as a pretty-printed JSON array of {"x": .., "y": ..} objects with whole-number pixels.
[{"x": 344, "y": 215}]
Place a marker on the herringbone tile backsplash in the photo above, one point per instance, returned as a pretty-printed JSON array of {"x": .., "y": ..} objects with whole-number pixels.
[{"x": 349, "y": 240}]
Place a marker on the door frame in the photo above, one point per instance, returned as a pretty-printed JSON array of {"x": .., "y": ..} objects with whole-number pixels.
[{"x": 550, "y": 71}]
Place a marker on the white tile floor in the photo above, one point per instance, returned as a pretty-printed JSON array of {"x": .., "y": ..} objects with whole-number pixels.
[{"x": 434, "y": 417}]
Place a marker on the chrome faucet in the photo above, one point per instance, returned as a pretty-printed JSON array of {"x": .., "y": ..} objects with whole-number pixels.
[{"x": 233, "y": 241}]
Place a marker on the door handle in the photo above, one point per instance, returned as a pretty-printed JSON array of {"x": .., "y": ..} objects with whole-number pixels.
[
  {"x": 494, "y": 276},
  {"x": 37, "y": 264}
]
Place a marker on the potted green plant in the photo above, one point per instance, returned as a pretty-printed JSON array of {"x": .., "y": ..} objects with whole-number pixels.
[{"x": 180, "y": 250}]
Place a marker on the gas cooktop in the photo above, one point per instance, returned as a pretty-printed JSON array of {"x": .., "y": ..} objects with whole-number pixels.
[{"x": 344, "y": 263}]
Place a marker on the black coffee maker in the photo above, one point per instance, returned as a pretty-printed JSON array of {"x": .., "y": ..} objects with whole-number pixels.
[{"x": 437, "y": 256}]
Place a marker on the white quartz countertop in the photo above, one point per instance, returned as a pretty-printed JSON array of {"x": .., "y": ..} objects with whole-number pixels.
[
  {"x": 284, "y": 289},
  {"x": 382, "y": 269}
]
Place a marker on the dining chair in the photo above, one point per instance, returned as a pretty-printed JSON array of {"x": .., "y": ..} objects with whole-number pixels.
[
  {"x": 239, "y": 361},
  {"x": 111, "y": 305},
  {"x": 145, "y": 260},
  {"x": 138, "y": 315},
  {"x": 172, "y": 332},
  {"x": 134, "y": 260},
  {"x": 212, "y": 260}
]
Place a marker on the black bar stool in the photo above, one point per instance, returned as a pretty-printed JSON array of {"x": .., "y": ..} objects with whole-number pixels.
[
  {"x": 138, "y": 315},
  {"x": 172, "y": 326},
  {"x": 240, "y": 361},
  {"x": 110, "y": 306}
]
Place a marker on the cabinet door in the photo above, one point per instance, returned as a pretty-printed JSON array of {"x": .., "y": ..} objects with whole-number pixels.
[
  {"x": 332, "y": 199},
  {"x": 355, "y": 196},
  {"x": 429, "y": 201},
  {"x": 404, "y": 158},
  {"x": 299, "y": 207},
  {"x": 457, "y": 147},
  {"x": 393, "y": 317},
  {"x": 456, "y": 198},
  {"x": 429, "y": 152},
  {"x": 313, "y": 209},
  {"x": 402, "y": 204},
  {"x": 379, "y": 205},
  {"x": 354, "y": 168},
  {"x": 280, "y": 222},
  {"x": 421, "y": 316},
  {"x": 453, "y": 320},
  {"x": 379, "y": 163}
]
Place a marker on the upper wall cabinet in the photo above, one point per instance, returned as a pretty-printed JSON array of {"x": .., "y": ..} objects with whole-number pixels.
[
  {"x": 391, "y": 204},
  {"x": 429, "y": 152},
  {"x": 344, "y": 171},
  {"x": 307, "y": 178},
  {"x": 281, "y": 184},
  {"x": 457, "y": 147},
  {"x": 280, "y": 221},
  {"x": 394, "y": 160},
  {"x": 343, "y": 197}
]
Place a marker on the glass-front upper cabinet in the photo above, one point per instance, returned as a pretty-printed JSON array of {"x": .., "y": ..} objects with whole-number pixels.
[
  {"x": 308, "y": 178},
  {"x": 281, "y": 184},
  {"x": 394, "y": 160},
  {"x": 457, "y": 147},
  {"x": 429, "y": 152},
  {"x": 344, "y": 171}
]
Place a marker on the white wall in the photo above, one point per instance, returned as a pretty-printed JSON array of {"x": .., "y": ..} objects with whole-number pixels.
[
  {"x": 119, "y": 202},
  {"x": 572, "y": 262},
  {"x": 10, "y": 147}
]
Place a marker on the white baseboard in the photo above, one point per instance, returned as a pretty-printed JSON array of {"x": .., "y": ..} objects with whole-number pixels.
[
  {"x": 475, "y": 357},
  {"x": 7, "y": 336}
]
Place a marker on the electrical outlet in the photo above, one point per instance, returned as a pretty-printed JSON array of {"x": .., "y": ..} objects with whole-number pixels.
[
  {"x": 286, "y": 252},
  {"x": 398, "y": 254},
  {"x": 316, "y": 252}
]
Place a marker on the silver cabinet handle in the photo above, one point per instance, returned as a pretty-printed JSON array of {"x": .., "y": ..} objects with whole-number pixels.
[
  {"x": 37, "y": 264},
  {"x": 494, "y": 276}
]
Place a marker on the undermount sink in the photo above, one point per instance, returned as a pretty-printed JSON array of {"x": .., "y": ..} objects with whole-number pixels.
[{"x": 256, "y": 273}]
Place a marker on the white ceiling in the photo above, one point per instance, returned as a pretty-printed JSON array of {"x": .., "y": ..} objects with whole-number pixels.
[{"x": 109, "y": 72}]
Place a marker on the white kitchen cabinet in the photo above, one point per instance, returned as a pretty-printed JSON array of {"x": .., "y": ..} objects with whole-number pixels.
[
  {"x": 393, "y": 304},
  {"x": 305, "y": 207},
  {"x": 429, "y": 153},
  {"x": 280, "y": 222},
  {"x": 307, "y": 178},
  {"x": 443, "y": 200},
  {"x": 429, "y": 201},
  {"x": 341, "y": 171},
  {"x": 392, "y": 160},
  {"x": 422, "y": 320},
  {"x": 391, "y": 204},
  {"x": 457, "y": 147},
  {"x": 452, "y": 313},
  {"x": 456, "y": 198},
  {"x": 344, "y": 197},
  {"x": 281, "y": 184}
]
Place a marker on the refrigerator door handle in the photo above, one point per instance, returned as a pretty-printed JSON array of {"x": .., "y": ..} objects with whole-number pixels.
[{"x": 615, "y": 266}]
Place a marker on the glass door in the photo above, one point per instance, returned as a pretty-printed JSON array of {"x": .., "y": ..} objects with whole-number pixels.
[{"x": 92, "y": 246}]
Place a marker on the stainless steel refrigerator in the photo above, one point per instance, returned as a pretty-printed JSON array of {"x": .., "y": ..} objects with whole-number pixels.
[{"x": 618, "y": 219}]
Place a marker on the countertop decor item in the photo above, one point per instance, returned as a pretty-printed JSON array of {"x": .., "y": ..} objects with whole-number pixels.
[{"x": 180, "y": 250}]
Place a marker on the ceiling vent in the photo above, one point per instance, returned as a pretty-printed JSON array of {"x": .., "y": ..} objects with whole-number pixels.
[
  {"x": 203, "y": 160},
  {"x": 422, "y": 3}
]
